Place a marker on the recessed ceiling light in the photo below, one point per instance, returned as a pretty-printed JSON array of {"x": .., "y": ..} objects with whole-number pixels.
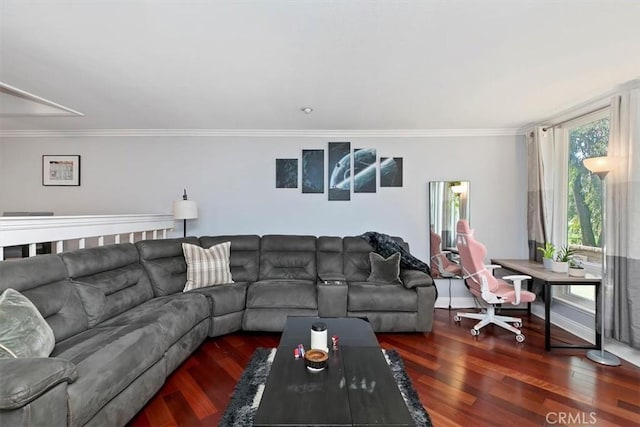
[{"x": 306, "y": 110}]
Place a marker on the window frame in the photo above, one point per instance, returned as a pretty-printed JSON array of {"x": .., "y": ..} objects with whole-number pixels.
[{"x": 561, "y": 202}]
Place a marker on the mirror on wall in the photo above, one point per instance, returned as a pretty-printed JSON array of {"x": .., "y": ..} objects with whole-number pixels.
[{"x": 448, "y": 202}]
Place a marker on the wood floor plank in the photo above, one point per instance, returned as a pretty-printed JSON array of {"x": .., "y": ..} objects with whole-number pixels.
[
  {"x": 489, "y": 380},
  {"x": 448, "y": 392},
  {"x": 158, "y": 414},
  {"x": 191, "y": 390},
  {"x": 180, "y": 410},
  {"x": 232, "y": 367}
]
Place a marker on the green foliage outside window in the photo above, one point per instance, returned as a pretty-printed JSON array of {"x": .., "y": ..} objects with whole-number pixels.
[{"x": 585, "y": 189}]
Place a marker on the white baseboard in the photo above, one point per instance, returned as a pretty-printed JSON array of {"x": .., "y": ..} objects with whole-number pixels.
[
  {"x": 569, "y": 325},
  {"x": 456, "y": 302},
  {"x": 621, "y": 350}
]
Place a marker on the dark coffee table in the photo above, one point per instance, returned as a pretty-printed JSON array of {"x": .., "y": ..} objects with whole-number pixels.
[{"x": 357, "y": 388}]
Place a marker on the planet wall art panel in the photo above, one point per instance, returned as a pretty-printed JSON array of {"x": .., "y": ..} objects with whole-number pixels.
[
  {"x": 313, "y": 171},
  {"x": 390, "y": 171},
  {"x": 286, "y": 173},
  {"x": 339, "y": 169},
  {"x": 364, "y": 170}
]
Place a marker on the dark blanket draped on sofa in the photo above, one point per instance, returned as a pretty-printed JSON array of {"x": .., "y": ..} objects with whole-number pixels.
[{"x": 386, "y": 246}]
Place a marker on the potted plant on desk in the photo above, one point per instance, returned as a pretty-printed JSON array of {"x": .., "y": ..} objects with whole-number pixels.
[
  {"x": 561, "y": 263},
  {"x": 547, "y": 254},
  {"x": 575, "y": 268}
]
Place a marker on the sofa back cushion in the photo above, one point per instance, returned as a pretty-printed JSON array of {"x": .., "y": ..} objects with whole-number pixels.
[
  {"x": 288, "y": 257},
  {"x": 357, "y": 266},
  {"x": 330, "y": 258},
  {"x": 109, "y": 280},
  {"x": 245, "y": 253},
  {"x": 44, "y": 281},
  {"x": 164, "y": 262}
]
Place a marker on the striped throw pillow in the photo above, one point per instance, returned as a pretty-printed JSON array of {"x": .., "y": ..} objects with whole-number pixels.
[{"x": 207, "y": 267}]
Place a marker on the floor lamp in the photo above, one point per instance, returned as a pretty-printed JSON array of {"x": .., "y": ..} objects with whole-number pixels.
[
  {"x": 601, "y": 166},
  {"x": 185, "y": 209}
]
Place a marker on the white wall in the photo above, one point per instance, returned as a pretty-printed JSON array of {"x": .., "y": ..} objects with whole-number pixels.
[{"x": 233, "y": 181}]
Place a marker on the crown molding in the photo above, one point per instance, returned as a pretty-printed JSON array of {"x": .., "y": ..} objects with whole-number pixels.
[
  {"x": 264, "y": 133},
  {"x": 595, "y": 103}
]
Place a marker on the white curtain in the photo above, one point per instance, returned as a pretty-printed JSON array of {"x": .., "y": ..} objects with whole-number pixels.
[
  {"x": 622, "y": 287},
  {"x": 546, "y": 188},
  {"x": 538, "y": 202}
]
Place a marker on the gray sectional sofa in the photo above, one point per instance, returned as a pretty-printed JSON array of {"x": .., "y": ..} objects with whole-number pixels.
[{"x": 122, "y": 323}]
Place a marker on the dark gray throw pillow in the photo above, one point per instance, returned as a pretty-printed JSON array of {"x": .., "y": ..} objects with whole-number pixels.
[{"x": 385, "y": 270}]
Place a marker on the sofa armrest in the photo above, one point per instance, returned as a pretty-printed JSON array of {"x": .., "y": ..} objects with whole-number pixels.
[
  {"x": 414, "y": 278},
  {"x": 426, "y": 303},
  {"x": 25, "y": 379}
]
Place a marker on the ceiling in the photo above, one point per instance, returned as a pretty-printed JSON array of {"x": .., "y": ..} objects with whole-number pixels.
[{"x": 253, "y": 64}]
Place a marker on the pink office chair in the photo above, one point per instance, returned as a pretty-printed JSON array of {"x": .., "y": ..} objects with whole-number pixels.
[
  {"x": 441, "y": 266},
  {"x": 487, "y": 289}
]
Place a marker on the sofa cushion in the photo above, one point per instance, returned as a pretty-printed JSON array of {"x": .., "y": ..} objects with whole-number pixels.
[
  {"x": 43, "y": 280},
  {"x": 357, "y": 266},
  {"x": 225, "y": 299},
  {"x": 176, "y": 314},
  {"x": 207, "y": 267},
  {"x": 109, "y": 280},
  {"x": 364, "y": 296},
  {"x": 164, "y": 262},
  {"x": 106, "y": 295},
  {"x": 329, "y": 258},
  {"x": 107, "y": 360},
  {"x": 244, "y": 256},
  {"x": 282, "y": 293},
  {"x": 288, "y": 257},
  {"x": 384, "y": 270},
  {"x": 23, "y": 330}
]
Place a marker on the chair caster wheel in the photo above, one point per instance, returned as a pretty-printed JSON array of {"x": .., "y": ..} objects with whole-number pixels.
[
  {"x": 457, "y": 318},
  {"x": 475, "y": 332},
  {"x": 518, "y": 325},
  {"x": 520, "y": 338}
]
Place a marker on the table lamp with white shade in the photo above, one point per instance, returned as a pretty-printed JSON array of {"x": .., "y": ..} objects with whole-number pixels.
[
  {"x": 601, "y": 166},
  {"x": 185, "y": 209}
]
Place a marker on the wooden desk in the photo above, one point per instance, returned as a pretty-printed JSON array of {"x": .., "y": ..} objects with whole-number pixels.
[{"x": 537, "y": 271}]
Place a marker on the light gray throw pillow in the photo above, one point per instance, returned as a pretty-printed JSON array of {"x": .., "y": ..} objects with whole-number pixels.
[
  {"x": 23, "y": 330},
  {"x": 207, "y": 267}
]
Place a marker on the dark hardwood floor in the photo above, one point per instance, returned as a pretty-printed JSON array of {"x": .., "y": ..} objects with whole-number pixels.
[{"x": 462, "y": 381}]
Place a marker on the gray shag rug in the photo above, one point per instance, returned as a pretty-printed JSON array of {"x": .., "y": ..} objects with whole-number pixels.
[{"x": 248, "y": 392}]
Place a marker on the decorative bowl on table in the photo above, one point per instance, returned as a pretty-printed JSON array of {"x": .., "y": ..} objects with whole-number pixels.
[{"x": 316, "y": 360}]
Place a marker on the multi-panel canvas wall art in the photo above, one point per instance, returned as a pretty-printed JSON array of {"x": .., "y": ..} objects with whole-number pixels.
[
  {"x": 390, "y": 171},
  {"x": 344, "y": 166},
  {"x": 313, "y": 171},
  {"x": 339, "y": 171},
  {"x": 286, "y": 173},
  {"x": 364, "y": 170}
]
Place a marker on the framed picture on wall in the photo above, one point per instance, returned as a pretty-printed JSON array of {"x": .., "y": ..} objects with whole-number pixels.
[{"x": 60, "y": 170}]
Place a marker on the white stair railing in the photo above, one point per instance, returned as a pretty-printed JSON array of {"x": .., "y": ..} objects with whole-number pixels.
[{"x": 76, "y": 231}]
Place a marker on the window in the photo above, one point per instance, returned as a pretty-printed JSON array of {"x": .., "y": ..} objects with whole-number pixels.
[{"x": 585, "y": 137}]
